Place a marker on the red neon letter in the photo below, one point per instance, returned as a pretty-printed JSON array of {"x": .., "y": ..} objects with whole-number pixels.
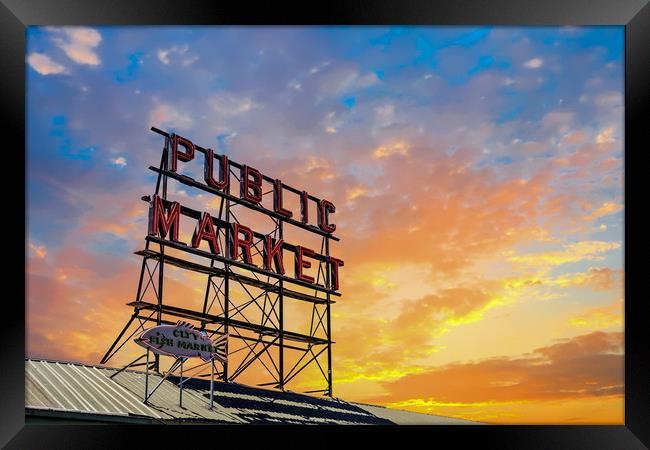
[
  {"x": 335, "y": 263},
  {"x": 176, "y": 156},
  {"x": 251, "y": 180},
  {"x": 301, "y": 252},
  {"x": 277, "y": 200},
  {"x": 245, "y": 243},
  {"x": 273, "y": 253},
  {"x": 161, "y": 224},
  {"x": 304, "y": 207},
  {"x": 324, "y": 208},
  {"x": 205, "y": 230},
  {"x": 224, "y": 170}
]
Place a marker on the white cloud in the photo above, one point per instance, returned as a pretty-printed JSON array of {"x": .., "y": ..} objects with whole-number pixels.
[
  {"x": 44, "y": 65},
  {"x": 119, "y": 161},
  {"x": 341, "y": 79},
  {"x": 168, "y": 116},
  {"x": 609, "y": 100},
  {"x": 229, "y": 105},
  {"x": 40, "y": 251},
  {"x": 562, "y": 120},
  {"x": 293, "y": 84},
  {"x": 78, "y": 43},
  {"x": 607, "y": 135},
  {"x": 385, "y": 115},
  {"x": 366, "y": 80},
  {"x": 166, "y": 55},
  {"x": 534, "y": 63},
  {"x": 331, "y": 123},
  {"x": 189, "y": 60},
  {"x": 163, "y": 56},
  {"x": 314, "y": 70}
]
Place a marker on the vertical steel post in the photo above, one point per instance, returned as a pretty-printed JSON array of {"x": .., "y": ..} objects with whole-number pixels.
[
  {"x": 160, "y": 297},
  {"x": 226, "y": 283},
  {"x": 281, "y": 301},
  {"x": 211, "y": 383},
  {"x": 180, "y": 398},
  {"x": 161, "y": 264},
  {"x": 146, "y": 378},
  {"x": 329, "y": 322}
]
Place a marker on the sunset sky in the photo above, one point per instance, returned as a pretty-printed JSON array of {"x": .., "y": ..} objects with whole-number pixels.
[{"x": 477, "y": 175}]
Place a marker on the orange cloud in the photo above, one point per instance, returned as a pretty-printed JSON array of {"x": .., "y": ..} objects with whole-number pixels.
[
  {"x": 606, "y": 209},
  {"x": 600, "y": 317},
  {"x": 585, "y": 250},
  {"x": 356, "y": 192},
  {"x": 76, "y": 308},
  {"x": 585, "y": 367},
  {"x": 607, "y": 135},
  {"x": 599, "y": 278},
  {"x": 40, "y": 251},
  {"x": 575, "y": 137},
  {"x": 398, "y": 148},
  {"x": 381, "y": 347}
]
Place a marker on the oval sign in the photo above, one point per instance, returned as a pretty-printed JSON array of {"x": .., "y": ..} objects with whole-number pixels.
[{"x": 183, "y": 341}]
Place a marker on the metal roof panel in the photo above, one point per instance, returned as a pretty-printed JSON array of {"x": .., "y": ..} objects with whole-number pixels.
[{"x": 54, "y": 387}]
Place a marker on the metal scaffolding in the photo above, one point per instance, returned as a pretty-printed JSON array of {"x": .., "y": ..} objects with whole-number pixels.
[{"x": 241, "y": 301}]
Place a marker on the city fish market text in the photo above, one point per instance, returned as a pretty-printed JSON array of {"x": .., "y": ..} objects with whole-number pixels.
[
  {"x": 164, "y": 217},
  {"x": 169, "y": 342},
  {"x": 182, "y": 341}
]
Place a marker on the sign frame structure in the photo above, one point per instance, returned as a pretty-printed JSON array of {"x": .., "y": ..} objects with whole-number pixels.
[
  {"x": 186, "y": 330},
  {"x": 265, "y": 340}
]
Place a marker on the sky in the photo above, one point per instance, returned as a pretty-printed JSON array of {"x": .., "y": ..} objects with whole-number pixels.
[{"x": 477, "y": 174}]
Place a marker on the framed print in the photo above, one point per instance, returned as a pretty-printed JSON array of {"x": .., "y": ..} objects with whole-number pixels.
[{"x": 376, "y": 214}]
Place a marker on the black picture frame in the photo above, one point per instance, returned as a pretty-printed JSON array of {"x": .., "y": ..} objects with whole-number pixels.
[{"x": 16, "y": 15}]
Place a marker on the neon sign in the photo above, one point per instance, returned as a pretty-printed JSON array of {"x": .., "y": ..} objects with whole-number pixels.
[{"x": 164, "y": 218}]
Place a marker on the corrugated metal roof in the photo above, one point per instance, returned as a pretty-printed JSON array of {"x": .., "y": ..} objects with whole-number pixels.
[
  {"x": 402, "y": 417},
  {"x": 62, "y": 387},
  {"x": 79, "y": 388}
]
